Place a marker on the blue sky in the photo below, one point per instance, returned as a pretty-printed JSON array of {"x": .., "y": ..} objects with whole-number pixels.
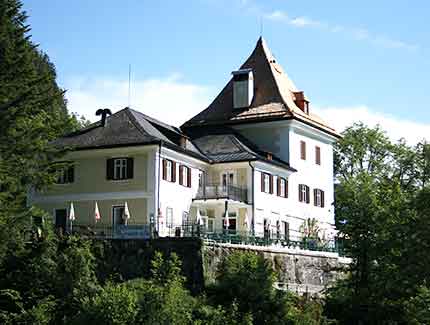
[{"x": 365, "y": 60}]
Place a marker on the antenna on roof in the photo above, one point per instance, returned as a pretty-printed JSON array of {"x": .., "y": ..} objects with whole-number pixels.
[
  {"x": 261, "y": 26},
  {"x": 129, "y": 84}
]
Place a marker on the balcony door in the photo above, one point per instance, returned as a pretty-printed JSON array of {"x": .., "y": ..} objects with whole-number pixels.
[{"x": 227, "y": 179}]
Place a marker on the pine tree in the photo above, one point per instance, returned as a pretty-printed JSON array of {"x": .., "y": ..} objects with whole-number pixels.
[{"x": 32, "y": 113}]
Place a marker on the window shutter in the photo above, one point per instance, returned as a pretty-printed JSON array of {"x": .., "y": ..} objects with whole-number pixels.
[
  {"x": 278, "y": 187},
  {"x": 286, "y": 188},
  {"x": 71, "y": 174},
  {"x": 262, "y": 182},
  {"x": 164, "y": 173},
  {"x": 109, "y": 168},
  {"x": 181, "y": 175},
  {"x": 303, "y": 150},
  {"x": 322, "y": 199},
  {"x": 271, "y": 184},
  {"x": 189, "y": 177},
  {"x": 130, "y": 167},
  {"x": 318, "y": 155},
  {"x": 308, "y": 199},
  {"x": 300, "y": 193},
  {"x": 173, "y": 171},
  {"x": 315, "y": 196}
]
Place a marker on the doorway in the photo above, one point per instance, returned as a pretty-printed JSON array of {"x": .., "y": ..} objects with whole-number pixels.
[{"x": 61, "y": 220}]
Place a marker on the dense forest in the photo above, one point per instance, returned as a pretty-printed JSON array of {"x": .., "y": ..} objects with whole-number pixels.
[{"x": 382, "y": 214}]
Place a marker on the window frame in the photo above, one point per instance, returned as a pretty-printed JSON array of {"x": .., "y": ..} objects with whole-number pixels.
[
  {"x": 266, "y": 183},
  {"x": 282, "y": 190},
  {"x": 304, "y": 195},
  {"x": 66, "y": 175},
  {"x": 120, "y": 170},
  {"x": 319, "y": 199},
  {"x": 185, "y": 176}
]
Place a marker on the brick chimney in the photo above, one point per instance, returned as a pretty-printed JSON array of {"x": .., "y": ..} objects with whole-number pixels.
[{"x": 301, "y": 101}]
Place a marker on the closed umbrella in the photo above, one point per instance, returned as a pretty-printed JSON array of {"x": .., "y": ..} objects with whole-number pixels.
[
  {"x": 126, "y": 213},
  {"x": 71, "y": 215}
]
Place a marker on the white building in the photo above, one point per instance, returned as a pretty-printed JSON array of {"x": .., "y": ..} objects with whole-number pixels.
[{"x": 255, "y": 162}]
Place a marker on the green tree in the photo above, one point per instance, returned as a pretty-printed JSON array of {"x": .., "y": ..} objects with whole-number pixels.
[
  {"x": 32, "y": 113},
  {"x": 380, "y": 184}
]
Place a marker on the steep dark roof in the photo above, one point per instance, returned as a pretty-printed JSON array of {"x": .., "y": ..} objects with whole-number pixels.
[
  {"x": 274, "y": 97},
  {"x": 127, "y": 127},
  {"x": 232, "y": 147}
]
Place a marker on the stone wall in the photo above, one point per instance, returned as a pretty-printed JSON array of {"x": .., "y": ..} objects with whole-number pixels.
[{"x": 298, "y": 270}]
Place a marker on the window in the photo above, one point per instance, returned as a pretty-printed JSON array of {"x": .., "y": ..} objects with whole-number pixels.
[
  {"x": 231, "y": 223},
  {"x": 304, "y": 193},
  {"x": 119, "y": 168},
  {"x": 227, "y": 179},
  {"x": 319, "y": 198},
  {"x": 61, "y": 219},
  {"x": 169, "y": 170},
  {"x": 210, "y": 225},
  {"x": 118, "y": 215},
  {"x": 282, "y": 187},
  {"x": 169, "y": 217},
  {"x": 185, "y": 218},
  {"x": 303, "y": 150},
  {"x": 286, "y": 230},
  {"x": 317, "y": 155},
  {"x": 185, "y": 176},
  {"x": 266, "y": 183},
  {"x": 66, "y": 175}
]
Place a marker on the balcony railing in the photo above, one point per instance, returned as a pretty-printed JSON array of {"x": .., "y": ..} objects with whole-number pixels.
[
  {"x": 116, "y": 232},
  {"x": 218, "y": 191}
]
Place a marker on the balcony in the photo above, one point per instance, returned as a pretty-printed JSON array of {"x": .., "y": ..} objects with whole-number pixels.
[{"x": 217, "y": 191}]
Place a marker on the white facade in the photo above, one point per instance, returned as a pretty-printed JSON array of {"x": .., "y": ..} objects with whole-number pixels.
[{"x": 283, "y": 139}]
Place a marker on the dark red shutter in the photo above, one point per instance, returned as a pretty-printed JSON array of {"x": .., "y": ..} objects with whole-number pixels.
[
  {"x": 130, "y": 167},
  {"x": 271, "y": 184},
  {"x": 181, "y": 175},
  {"x": 315, "y": 196},
  {"x": 109, "y": 168},
  {"x": 278, "y": 189},
  {"x": 189, "y": 177},
  {"x": 286, "y": 188},
  {"x": 322, "y": 199},
  {"x": 303, "y": 150},
  {"x": 308, "y": 199},
  {"x": 164, "y": 169},
  {"x": 173, "y": 171},
  {"x": 318, "y": 155},
  {"x": 262, "y": 182}
]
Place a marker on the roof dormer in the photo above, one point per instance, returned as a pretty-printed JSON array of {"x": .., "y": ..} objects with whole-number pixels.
[{"x": 243, "y": 88}]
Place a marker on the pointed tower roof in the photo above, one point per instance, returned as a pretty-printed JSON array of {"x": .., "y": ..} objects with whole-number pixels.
[{"x": 274, "y": 97}]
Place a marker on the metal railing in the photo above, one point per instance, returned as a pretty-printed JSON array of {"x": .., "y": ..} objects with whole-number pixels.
[
  {"x": 133, "y": 231},
  {"x": 218, "y": 191},
  {"x": 192, "y": 230}
]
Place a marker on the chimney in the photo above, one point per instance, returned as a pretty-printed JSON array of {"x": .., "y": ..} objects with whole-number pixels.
[
  {"x": 301, "y": 101},
  {"x": 183, "y": 142},
  {"x": 104, "y": 113},
  {"x": 243, "y": 88}
]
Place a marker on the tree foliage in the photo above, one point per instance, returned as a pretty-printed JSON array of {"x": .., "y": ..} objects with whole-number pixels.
[{"x": 381, "y": 213}]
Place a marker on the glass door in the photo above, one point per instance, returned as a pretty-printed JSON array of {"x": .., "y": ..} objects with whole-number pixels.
[{"x": 227, "y": 179}]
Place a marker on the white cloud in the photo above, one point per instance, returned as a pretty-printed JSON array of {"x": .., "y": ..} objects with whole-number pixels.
[
  {"x": 276, "y": 15},
  {"x": 396, "y": 128},
  {"x": 170, "y": 99},
  {"x": 360, "y": 34},
  {"x": 303, "y": 22}
]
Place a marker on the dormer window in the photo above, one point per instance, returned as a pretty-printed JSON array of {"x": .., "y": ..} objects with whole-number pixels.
[{"x": 243, "y": 88}]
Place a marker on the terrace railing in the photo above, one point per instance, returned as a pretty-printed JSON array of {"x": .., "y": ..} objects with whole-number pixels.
[
  {"x": 133, "y": 231},
  {"x": 218, "y": 191}
]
